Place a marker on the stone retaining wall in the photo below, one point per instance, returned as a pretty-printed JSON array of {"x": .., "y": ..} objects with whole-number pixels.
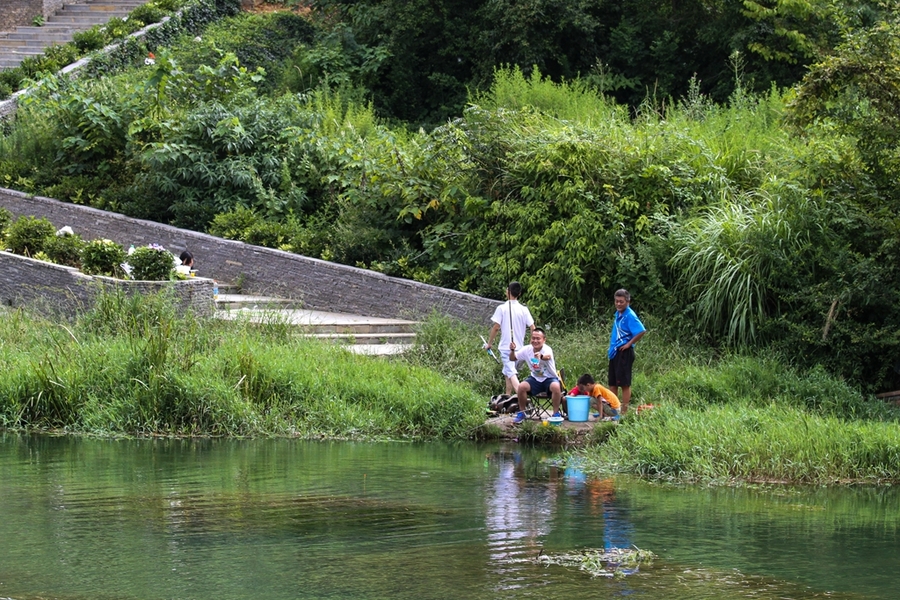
[
  {"x": 55, "y": 289},
  {"x": 318, "y": 284},
  {"x": 15, "y": 13},
  {"x": 19, "y": 12}
]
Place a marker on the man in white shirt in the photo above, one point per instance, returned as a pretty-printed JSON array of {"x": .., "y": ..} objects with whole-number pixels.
[
  {"x": 510, "y": 319},
  {"x": 542, "y": 378}
]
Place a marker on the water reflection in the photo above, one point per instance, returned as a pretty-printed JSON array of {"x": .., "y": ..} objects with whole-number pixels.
[
  {"x": 292, "y": 519},
  {"x": 519, "y": 513}
]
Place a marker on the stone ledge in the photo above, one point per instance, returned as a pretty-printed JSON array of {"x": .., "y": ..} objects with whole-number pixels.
[
  {"x": 317, "y": 284},
  {"x": 60, "y": 290}
]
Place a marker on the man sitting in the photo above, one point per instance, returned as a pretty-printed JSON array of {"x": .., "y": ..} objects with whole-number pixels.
[
  {"x": 607, "y": 403},
  {"x": 542, "y": 372}
]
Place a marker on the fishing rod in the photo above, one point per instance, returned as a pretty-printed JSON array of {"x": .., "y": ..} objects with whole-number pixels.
[{"x": 489, "y": 351}]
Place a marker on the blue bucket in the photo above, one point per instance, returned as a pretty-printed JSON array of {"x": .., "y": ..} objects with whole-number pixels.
[{"x": 577, "y": 407}]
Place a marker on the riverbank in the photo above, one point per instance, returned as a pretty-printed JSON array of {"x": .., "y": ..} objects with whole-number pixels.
[{"x": 135, "y": 367}]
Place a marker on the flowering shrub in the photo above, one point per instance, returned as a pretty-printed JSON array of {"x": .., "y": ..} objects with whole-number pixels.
[
  {"x": 103, "y": 257},
  {"x": 152, "y": 263}
]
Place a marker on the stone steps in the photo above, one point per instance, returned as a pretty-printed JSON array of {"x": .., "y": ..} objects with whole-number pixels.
[
  {"x": 365, "y": 335},
  {"x": 59, "y": 28}
]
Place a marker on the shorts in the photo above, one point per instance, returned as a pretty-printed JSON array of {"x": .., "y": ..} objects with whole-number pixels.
[
  {"x": 540, "y": 387},
  {"x": 509, "y": 366},
  {"x": 620, "y": 368}
]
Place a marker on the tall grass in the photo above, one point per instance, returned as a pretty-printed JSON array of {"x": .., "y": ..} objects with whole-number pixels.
[
  {"x": 132, "y": 366},
  {"x": 765, "y": 443}
]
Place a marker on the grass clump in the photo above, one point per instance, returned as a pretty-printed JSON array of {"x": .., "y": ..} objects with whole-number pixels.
[
  {"x": 132, "y": 365},
  {"x": 764, "y": 444},
  {"x": 612, "y": 562}
]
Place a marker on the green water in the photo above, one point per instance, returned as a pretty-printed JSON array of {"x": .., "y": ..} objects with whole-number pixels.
[{"x": 221, "y": 519}]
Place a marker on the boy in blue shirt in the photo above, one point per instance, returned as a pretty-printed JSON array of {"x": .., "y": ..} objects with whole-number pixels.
[{"x": 627, "y": 329}]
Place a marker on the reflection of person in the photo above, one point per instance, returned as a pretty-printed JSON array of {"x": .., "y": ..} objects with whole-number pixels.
[
  {"x": 543, "y": 378},
  {"x": 627, "y": 329},
  {"x": 520, "y": 506},
  {"x": 607, "y": 403},
  {"x": 618, "y": 532},
  {"x": 510, "y": 319}
]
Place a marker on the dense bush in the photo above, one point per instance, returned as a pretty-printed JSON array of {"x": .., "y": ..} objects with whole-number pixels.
[
  {"x": 6, "y": 218},
  {"x": 103, "y": 257},
  {"x": 92, "y": 39},
  {"x": 65, "y": 250},
  {"x": 29, "y": 235},
  {"x": 151, "y": 263}
]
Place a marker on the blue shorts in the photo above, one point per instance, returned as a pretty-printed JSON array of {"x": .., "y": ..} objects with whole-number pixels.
[{"x": 540, "y": 387}]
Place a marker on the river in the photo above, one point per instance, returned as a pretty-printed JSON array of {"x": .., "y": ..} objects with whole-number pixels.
[{"x": 277, "y": 518}]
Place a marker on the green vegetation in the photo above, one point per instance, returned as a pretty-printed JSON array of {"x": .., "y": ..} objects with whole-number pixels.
[
  {"x": 132, "y": 366},
  {"x": 185, "y": 15},
  {"x": 755, "y": 224},
  {"x": 729, "y": 221},
  {"x": 767, "y": 443},
  {"x": 37, "y": 238}
]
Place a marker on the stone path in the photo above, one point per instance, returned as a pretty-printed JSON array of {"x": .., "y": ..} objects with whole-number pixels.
[
  {"x": 360, "y": 334},
  {"x": 25, "y": 41}
]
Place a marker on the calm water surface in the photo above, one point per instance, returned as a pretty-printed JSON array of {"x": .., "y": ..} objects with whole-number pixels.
[{"x": 222, "y": 519}]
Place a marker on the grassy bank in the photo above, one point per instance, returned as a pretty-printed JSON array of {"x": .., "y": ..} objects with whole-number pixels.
[
  {"x": 769, "y": 443},
  {"x": 131, "y": 366},
  {"x": 134, "y": 367},
  {"x": 717, "y": 417}
]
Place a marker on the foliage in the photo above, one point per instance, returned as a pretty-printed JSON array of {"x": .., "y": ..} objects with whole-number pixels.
[
  {"x": 635, "y": 50},
  {"x": 763, "y": 443},
  {"x": 856, "y": 89},
  {"x": 133, "y": 366},
  {"x": 29, "y": 235},
  {"x": 151, "y": 263},
  {"x": 103, "y": 257},
  {"x": 192, "y": 15},
  {"x": 89, "y": 40},
  {"x": 65, "y": 250},
  {"x": 6, "y": 218},
  {"x": 722, "y": 222}
]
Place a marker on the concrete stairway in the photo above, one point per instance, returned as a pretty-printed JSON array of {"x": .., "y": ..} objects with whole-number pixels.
[
  {"x": 364, "y": 335},
  {"x": 22, "y": 42}
]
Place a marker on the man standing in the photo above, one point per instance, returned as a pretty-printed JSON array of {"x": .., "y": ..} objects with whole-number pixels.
[
  {"x": 542, "y": 378},
  {"x": 627, "y": 329},
  {"x": 510, "y": 319}
]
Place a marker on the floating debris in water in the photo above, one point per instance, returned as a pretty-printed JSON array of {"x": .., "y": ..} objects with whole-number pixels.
[{"x": 613, "y": 562}]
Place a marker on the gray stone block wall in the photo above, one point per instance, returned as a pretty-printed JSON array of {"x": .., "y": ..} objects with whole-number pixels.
[
  {"x": 22, "y": 12},
  {"x": 318, "y": 284},
  {"x": 19, "y": 12},
  {"x": 55, "y": 289}
]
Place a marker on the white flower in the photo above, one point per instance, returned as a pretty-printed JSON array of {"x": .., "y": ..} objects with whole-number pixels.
[
  {"x": 65, "y": 231},
  {"x": 149, "y": 61},
  {"x": 198, "y": 39}
]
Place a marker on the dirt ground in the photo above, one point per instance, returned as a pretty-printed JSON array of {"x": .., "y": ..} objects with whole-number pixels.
[
  {"x": 261, "y": 7},
  {"x": 574, "y": 431}
]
